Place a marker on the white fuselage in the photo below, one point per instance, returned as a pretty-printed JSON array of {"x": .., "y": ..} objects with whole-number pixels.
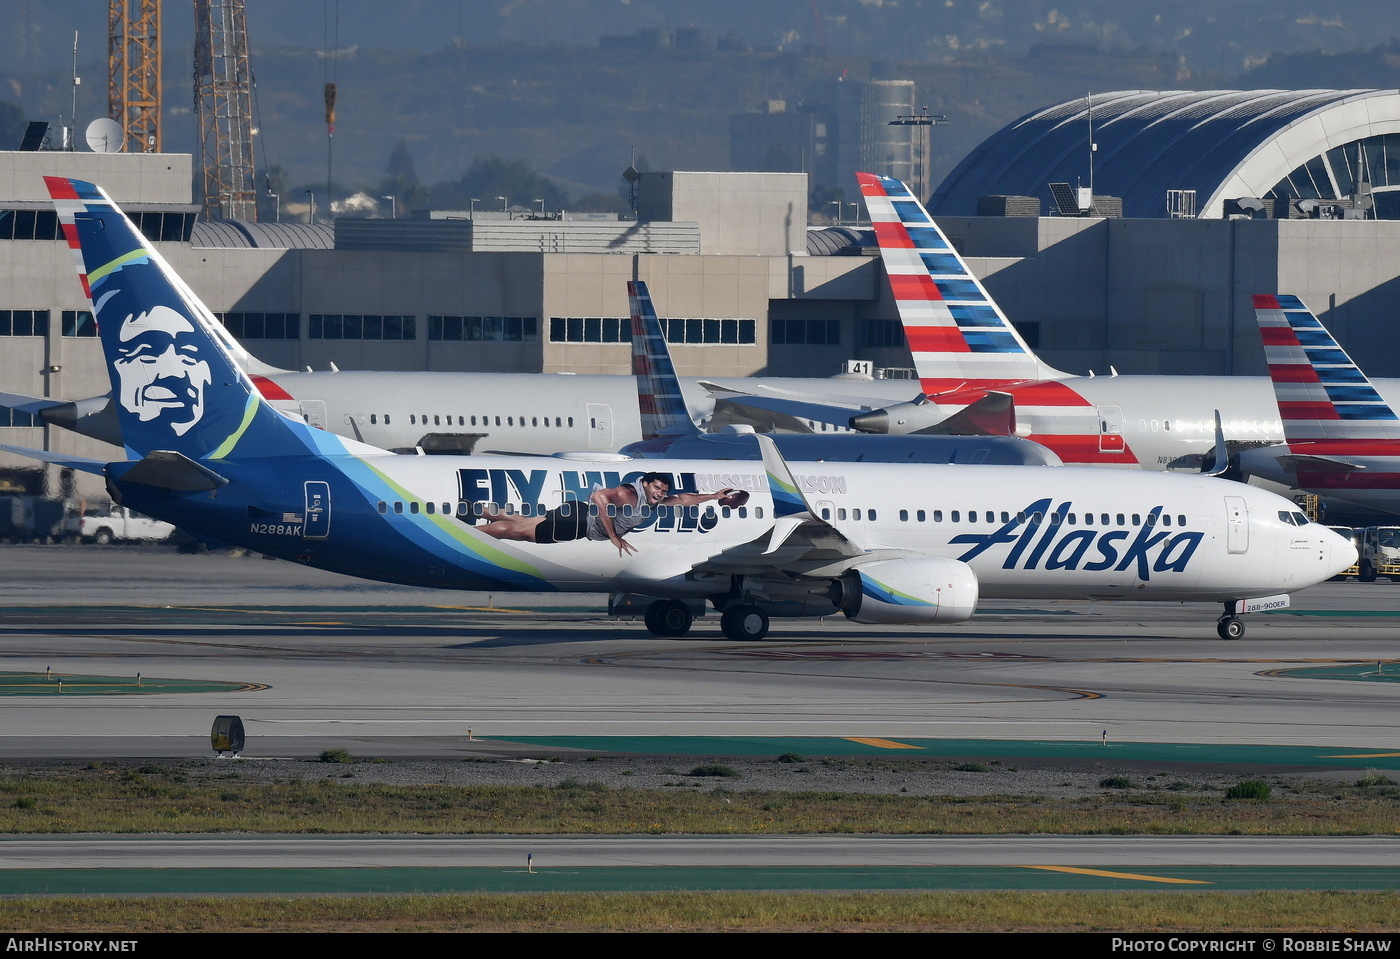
[{"x": 1025, "y": 531}]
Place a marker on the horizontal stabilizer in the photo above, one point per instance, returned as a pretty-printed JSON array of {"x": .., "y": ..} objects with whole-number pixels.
[
  {"x": 82, "y": 463},
  {"x": 166, "y": 469},
  {"x": 1316, "y": 464},
  {"x": 992, "y": 415}
]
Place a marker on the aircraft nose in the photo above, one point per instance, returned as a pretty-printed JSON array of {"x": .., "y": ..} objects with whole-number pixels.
[
  {"x": 874, "y": 421},
  {"x": 1341, "y": 552}
]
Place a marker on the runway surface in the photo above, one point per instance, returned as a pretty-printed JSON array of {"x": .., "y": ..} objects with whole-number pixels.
[
  {"x": 279, "y": 865},
  {"x": 313, "y": 661}
]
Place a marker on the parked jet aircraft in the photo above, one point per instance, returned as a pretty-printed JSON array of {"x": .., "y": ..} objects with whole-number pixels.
[
  {"x": 965, "y": 350},
  {"x": 879, "y": 542},
  {"x": 1343, "y": 439},
  {"x": 669, "y": 429}
]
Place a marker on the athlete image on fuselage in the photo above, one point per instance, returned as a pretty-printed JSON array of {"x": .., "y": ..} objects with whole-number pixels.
[
  {"x": 610, "y": 514},
  {"x": 159, "y": 371}
]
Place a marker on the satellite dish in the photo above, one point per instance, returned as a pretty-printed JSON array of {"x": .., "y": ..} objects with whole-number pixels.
[{"x": 104, "y": 135}]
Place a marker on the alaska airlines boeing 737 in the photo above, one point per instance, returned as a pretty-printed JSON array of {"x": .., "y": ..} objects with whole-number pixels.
[
  {"x": 965, "y": 350},
  {"x": 881, "y": 543}
]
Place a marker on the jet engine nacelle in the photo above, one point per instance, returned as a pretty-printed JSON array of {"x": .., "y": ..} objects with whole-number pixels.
[
  {"x": 927, "y": 590},
  {"x": 899, "y": 418}
]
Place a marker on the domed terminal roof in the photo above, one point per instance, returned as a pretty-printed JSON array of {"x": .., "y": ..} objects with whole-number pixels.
[{"x": 1223, "y": 144}]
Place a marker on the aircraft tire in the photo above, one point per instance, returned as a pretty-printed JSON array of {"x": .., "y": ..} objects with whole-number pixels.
[
  {"x": 668, "y": 617},
  {"x": 744, "y": 623},
  {"x": 1366, "y": 573},
  {"x": 1229, "y": 628}
]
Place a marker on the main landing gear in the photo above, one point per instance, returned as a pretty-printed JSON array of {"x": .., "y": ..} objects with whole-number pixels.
[
  {"x": 668, "y": 617},
  {"x": 744, "y": 622},
  {"x": 741, "y": 622}
]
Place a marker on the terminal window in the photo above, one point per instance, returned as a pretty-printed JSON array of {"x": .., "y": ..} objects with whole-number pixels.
[
  {"x": 362, "y": 326},
  {"x": 79, "y": 323},
  {"x": 24, "y": 322},
  {"x": 806, "y": 332},
  {"x": 484, "y": 329},
  {"x": 689, "y": 331},
  {"x": 262, "y": 326}
]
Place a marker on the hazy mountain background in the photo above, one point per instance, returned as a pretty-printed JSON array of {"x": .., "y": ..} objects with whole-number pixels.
[{"x": 441, "y": 87}]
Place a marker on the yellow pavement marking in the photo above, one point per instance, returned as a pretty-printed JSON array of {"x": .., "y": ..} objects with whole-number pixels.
[
  {"x": 880, "y": 743},
  {"x": 1119, "y": 875}
]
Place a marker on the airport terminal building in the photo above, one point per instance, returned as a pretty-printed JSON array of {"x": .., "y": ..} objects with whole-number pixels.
[{"x": 746, "y": 286}]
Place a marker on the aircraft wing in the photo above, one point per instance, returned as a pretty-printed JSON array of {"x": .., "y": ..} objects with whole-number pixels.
[
  {"x": 761, "y": 389},
  {"x": 801, "y": 542},
  {"x": 778, "y": 411},
  {"x": 751, "y": 411}
]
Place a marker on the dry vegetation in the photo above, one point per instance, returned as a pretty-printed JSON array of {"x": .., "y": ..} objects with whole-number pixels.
[
  {"x": 169, "y": 800},
  {"x": 696, "y": 911}
]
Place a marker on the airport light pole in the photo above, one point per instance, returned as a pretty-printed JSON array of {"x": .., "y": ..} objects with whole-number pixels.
[
  {"x": 311, "y": 214},
  {"x": 393, "y": 206},
  {"x": 921, "y": 120},
  {"x": 505, "y": 204},
  {"x": 837, "y": 204}
]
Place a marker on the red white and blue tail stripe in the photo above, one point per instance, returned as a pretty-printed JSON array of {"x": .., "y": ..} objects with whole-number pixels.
[
  {"x": 659, "y": 397},
  {"x": 959, "y": 337},
  {"x": 1322, "y": 395}
]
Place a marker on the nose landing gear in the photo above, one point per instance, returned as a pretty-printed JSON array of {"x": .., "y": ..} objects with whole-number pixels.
[{"x": 1228, "y": 627}]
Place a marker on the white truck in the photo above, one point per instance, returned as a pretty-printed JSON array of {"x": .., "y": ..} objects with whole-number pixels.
[
  {"x": 1380, "y": 553},
  {"x": 119, "y": 524}
]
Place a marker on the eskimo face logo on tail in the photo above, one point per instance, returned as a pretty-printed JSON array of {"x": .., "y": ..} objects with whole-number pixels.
[
  {"x": 1041, "y": 538},
  {"x": 160, "y": 374}
]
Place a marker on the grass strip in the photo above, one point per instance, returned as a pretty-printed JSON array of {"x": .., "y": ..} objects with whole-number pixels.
[
  {"x": 165, "y": 800},
  {"x": 707, "y": 912}
]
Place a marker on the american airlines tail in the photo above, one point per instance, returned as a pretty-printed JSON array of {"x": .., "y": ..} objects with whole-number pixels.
[
  {"x": 1322, "y": 395},
  {"x": 959, "y": 337},
  {"x": 659, "y": 396},
  {"x": 177, "y": 387}
]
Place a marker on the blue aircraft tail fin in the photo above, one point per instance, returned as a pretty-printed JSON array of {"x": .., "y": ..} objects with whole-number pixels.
[{"x": 175, "y": 384}]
